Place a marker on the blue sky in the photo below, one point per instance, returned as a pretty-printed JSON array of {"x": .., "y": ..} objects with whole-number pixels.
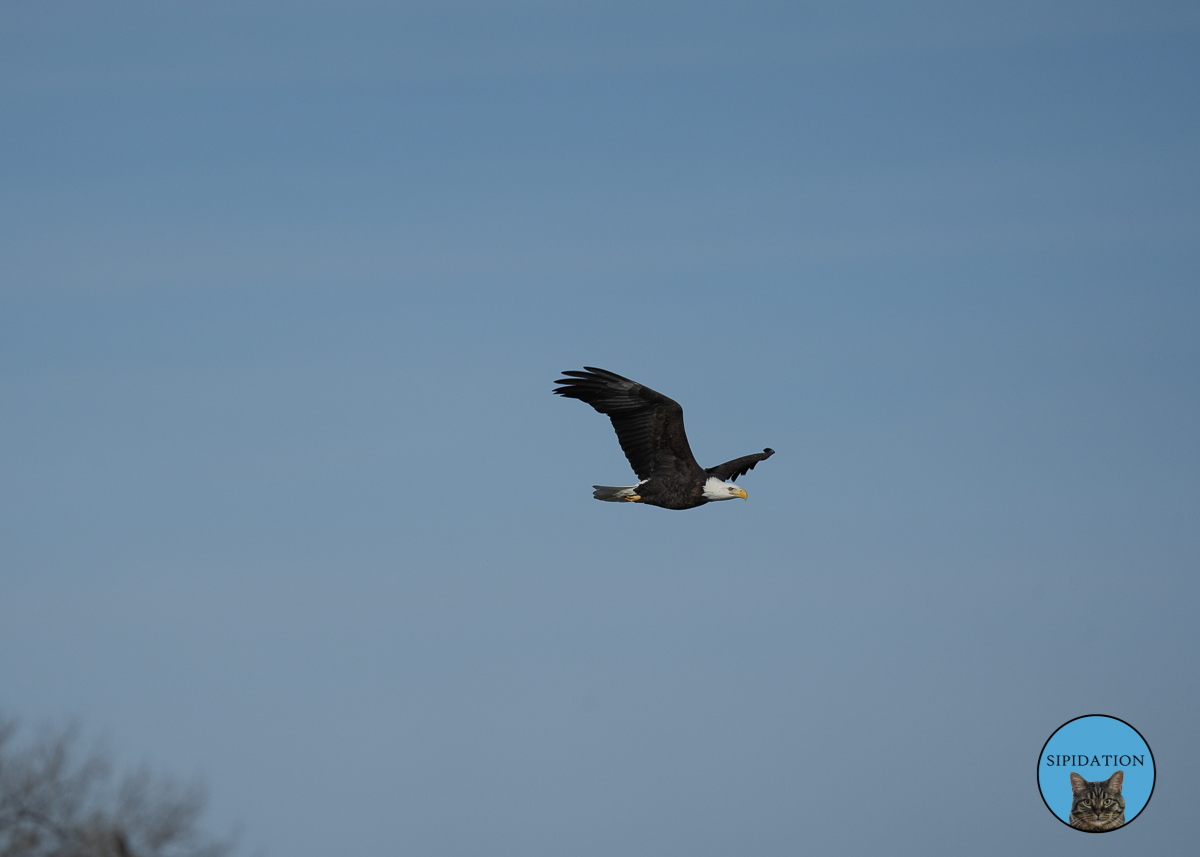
[{"x": 289, "y": 505}]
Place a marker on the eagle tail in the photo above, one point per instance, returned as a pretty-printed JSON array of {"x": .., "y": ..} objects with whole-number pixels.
[{"x": 613, "y": 495}]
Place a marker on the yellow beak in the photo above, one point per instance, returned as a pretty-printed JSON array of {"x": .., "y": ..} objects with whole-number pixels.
[{"x": 741, "y": 492}]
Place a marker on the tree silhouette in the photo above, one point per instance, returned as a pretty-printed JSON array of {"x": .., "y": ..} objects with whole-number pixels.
[{"x": 58, "y": 801}]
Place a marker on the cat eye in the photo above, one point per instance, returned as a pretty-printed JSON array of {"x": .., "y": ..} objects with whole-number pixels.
[
  {"x": 1087, "y": 803},
  {"x": 1108, "y": 803}
]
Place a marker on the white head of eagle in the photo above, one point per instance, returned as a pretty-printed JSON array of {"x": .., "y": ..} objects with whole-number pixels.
[
  {"x": 649, "y": 427},
  {"x": 715, "y": 489}
]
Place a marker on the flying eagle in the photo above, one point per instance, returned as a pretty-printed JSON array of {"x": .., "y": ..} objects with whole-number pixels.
[{"x": 650, "y": 428}]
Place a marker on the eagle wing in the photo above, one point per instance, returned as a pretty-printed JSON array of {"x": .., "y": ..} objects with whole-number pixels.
[
  {"x": 649, "y": 425},
  {"x": 734, "y": 469}
]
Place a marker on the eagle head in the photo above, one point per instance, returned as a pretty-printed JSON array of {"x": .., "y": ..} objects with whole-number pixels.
[{"x": 715, "y": 489}]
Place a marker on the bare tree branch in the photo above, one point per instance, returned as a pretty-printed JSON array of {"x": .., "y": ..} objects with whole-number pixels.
[{"x": 56, "y": 801}]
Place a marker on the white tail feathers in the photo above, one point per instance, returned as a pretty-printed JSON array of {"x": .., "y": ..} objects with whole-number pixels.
[{"x": 613, "y": 495}]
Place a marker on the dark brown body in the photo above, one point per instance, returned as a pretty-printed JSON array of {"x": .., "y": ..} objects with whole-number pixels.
[{"x": 650, "y": 430}]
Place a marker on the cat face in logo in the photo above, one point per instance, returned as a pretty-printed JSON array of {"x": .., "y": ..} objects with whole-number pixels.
[{"x": 1097, "y": 806}]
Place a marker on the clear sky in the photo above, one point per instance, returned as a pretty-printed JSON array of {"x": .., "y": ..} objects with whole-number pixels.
[{"x": 287, "y": 502}]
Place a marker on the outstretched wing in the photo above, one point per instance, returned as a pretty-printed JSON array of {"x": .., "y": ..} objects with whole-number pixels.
[
  {"x": 649, "y": 425},
  {"x": 734, "y": 469}
]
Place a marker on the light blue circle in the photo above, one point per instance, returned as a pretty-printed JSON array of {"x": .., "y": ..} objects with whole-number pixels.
[{"x": 1079, "y": 743}]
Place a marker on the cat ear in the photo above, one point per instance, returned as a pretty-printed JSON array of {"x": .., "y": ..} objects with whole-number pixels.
[
  {"x": 1077, "y": 783},
  {"x": 1114, "y": 782}
]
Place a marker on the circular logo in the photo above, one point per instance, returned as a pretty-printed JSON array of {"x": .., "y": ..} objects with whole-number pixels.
[{"x": 1096, "y": 773}]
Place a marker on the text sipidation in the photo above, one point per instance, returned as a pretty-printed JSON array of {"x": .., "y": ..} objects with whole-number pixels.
[{"x": 1085, "y": 761}]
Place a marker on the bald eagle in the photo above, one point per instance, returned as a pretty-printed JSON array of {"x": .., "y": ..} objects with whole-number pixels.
[{"x": 650, "y": 429}]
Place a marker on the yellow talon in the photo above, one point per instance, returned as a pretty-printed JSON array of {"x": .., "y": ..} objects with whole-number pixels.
[{"x": 633, "y": 498}]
